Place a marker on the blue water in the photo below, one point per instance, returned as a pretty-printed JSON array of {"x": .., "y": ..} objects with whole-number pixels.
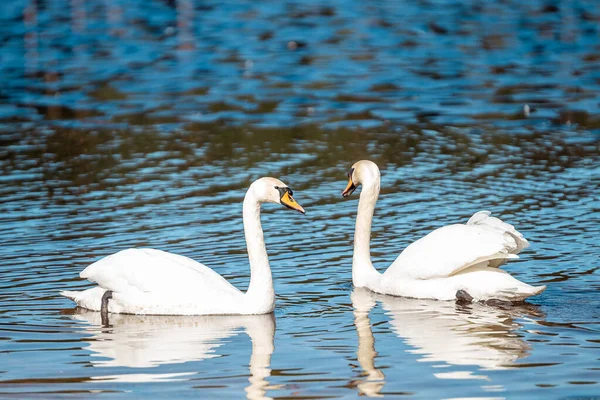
[{"x": 127, "y": 124}]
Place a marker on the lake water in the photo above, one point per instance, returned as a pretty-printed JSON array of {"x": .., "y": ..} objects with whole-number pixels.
[{"x": 130, "y": 124}]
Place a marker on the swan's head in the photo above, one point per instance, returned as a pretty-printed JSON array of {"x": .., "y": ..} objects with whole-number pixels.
[
  {"x": 363, "y": 172},
  {"x": 272, "y": 190}
]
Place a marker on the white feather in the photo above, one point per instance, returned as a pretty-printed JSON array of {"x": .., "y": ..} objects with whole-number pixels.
[
  {"x": 451, "y": 258},
  {"x": 148, "y": 281},
  {"x": 450, "y": 249}
]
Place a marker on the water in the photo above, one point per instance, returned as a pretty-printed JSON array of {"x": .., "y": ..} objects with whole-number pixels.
[{"x": 142, "y": 124}]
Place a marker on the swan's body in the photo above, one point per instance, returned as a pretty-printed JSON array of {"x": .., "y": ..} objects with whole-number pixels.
[
  {"x": 461, "y": 257},
  {"x": 147, "y": 281}
]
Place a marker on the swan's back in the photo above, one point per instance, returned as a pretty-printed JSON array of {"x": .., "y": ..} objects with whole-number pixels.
[
  {"x": 156, "y": 271},
  {"x": 483, "y": 241}
]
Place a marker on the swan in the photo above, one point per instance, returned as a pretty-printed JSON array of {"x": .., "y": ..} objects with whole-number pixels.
[
  {"x": 148, "y": 281},
  {"x": 455, "y": 262}
]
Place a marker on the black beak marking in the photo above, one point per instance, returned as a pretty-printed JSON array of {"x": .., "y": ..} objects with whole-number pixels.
[
  {"x": 353, "y": 187},
  {"x": 282, "y": 192}
]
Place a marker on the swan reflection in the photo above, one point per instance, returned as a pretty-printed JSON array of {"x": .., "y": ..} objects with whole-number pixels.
[
  {"x": 441, "y": 332},
  {"x": 145, "y": 341}
]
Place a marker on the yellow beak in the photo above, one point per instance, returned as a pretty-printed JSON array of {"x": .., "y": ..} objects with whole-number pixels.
[
  {"x": 289, "y": 202},
  {"x": 350, "y": 188}
]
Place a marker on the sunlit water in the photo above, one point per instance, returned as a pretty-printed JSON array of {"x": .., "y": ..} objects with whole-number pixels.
[{"x": 143, "y": 125}]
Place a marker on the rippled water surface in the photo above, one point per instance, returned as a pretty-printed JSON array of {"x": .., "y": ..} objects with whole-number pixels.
[{"x": 130, "y": 124}]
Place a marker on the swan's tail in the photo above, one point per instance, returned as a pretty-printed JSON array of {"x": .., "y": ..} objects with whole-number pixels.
[
  {"x": 71, "y": 294},
  {"x": 487, "y": 283},
  {"x": 90, "y": 298},
  {"x": 522, "y": 292},
  {"x": 538, "y": 289}
]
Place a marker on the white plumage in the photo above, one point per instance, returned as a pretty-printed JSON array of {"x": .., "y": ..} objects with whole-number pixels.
[
  {"x": 451, "y": 258},
  {"x": 148, "y": 281}
]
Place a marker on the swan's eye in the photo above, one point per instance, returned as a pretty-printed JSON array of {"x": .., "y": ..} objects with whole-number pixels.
[
  {"x": 287, "y": 200},
  {"x": 283, "y": 190},
  {"x": 350, "y": 173}
]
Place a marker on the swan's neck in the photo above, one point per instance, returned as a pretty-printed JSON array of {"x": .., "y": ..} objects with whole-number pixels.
[
  {"x": 261, "y": 294},
  {"x": 363, "y": 272}
]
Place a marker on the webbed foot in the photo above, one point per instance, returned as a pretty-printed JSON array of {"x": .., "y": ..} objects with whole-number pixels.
[
  {"x": 104, "y": 307},
  {"x": 462, "y": 296},
  {"x": 504, "y": 304}
]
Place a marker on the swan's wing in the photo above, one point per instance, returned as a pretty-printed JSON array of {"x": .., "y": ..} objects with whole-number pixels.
[
  {"x": 484, "y": 219},
  {"x": 156, "y": 271},
  {"x": 483, "y": 241}
]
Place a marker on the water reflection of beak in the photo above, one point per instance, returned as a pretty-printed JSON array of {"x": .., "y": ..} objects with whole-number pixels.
[
  {"x": 288, "y": 201},
  {"x": 350, "y": 188}
]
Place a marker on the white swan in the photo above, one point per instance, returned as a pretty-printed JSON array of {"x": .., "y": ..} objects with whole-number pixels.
[
  {"x": 453, "y": 262},
  {"x": 147, "y": 281}
]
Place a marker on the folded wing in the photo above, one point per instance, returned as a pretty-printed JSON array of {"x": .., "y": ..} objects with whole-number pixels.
[
  {"x": 483, "y": 241},
  {"x": 156, "y": 271}
]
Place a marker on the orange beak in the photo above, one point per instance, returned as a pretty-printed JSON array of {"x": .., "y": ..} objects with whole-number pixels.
[
  {"x": 288, "y": 201},
  {"x": 350, "y": 188}
]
